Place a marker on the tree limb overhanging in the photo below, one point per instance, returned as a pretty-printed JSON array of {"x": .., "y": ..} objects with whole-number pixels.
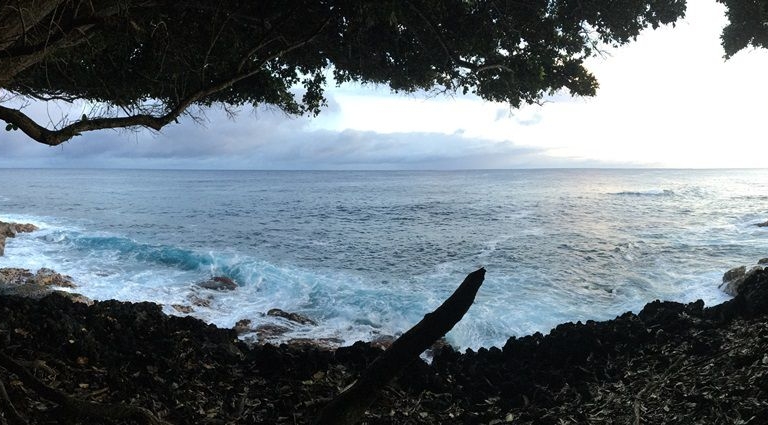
[
  {"x": 154, "y": 122},
  {"x": 143, "y": 63}
]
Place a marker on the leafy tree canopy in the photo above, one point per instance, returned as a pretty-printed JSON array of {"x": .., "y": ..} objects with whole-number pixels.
[
  {"x": 147, "y": 61},
  {"x": 747, "y": 27}
]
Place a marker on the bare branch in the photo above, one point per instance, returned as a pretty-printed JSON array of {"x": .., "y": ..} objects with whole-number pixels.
[{"x": 155, "y": 122}]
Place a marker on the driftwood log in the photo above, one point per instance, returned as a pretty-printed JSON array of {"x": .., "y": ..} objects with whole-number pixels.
[{"x": 350, "y": 405}]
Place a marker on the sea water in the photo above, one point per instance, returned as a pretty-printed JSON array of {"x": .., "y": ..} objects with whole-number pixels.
[{"x": 369, "y": 253}]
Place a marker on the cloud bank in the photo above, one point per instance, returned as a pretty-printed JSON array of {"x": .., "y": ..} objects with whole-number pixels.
[{"x": 270, "y": 140}]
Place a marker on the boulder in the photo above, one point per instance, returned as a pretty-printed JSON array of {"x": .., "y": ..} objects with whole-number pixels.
[
  {"x": 12, "y": 276},
  {"x": 734, "y": 273},
  {"x": 75, "y": 297},
  {"x": 293, "y": 317},
  {"x": 199, "y": 301},
  {"x": 763, "y": 224},
  {"x": 751, "y": 298},
  {"x": 48, "y": 277},
  {"x": 219, "y": 283},
  {"x": 9, "y": 230},
  {"x": 25, "y": 227},
  {"x": 243, "y": 326},
  {"x": 733, "y": 279},
  {"x": 269, "y": 331},
  {"x": 21, "y": 282},
  {"x": 762, "y": 261},
  {"x": 325, "y": 344},
  {"x": 182, "y": 308}
]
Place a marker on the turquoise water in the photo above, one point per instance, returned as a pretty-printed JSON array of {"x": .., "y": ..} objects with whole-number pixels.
[{"x": 367, "y": 253}]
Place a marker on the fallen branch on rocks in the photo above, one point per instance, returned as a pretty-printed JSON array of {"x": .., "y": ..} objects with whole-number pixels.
[
  {"x": 77, "y": 406},
  {"x": 349, "y": 406}
]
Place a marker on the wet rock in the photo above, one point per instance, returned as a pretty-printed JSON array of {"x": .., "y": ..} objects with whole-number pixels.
[
  {"x": 25, "y": 227},
  {"x": 327, "y": 344},
  {"x": 200, "y": 301},
  {"x": 9, "y": 230},
  {"x": 293, "y": 317},
  {"x": 270, "y": 331},
  {"x": 243, "y": 326},
  {"x": 75, "y": 297},
  {"x": 12, "y": 276},
  {"x": 48, "y": 277},
  {"x": 183, "y": 308},
  {"x": 21, "y": 282},
  {"x": 751, "y": 298},
  {"x": 763, "y": 224},
  {"x": 762, "y": 261},
  {"x": 219, "y": 283},
  {"x": 753, "y": 293},
  {"x": 733, "y": 279},
  {"x": 734, "y": 273}
]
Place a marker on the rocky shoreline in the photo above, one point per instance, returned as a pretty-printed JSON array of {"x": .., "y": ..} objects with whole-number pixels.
[{"x": 669, "y": 363}]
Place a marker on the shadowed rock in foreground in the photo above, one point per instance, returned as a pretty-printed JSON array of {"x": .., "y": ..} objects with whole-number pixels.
[{"x": 670, "y": 363}]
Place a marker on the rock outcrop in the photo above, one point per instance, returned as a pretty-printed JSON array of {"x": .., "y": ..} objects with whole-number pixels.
[
  {"x": 735, "y": 277},
  {"x": 219, "y": 283},
  {"x": 44, "y": 279},
  {"x": 10, "y": 230},
  {"x": 22, "y": 282},
  {"x": 291, "y": 317}
]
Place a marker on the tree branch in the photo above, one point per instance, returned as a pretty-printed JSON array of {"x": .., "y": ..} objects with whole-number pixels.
[
  {"x": 154, "y": 122},
  {"x": 349, "y": 406}
]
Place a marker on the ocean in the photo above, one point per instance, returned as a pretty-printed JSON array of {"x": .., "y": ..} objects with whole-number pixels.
[{"x": 369, "y": 253}]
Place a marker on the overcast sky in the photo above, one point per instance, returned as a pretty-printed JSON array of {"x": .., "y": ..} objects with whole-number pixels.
[{"x": 667, "y": 100}]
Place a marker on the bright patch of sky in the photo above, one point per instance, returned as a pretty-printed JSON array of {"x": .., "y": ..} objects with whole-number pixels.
[{"x": 668, "y": 99}]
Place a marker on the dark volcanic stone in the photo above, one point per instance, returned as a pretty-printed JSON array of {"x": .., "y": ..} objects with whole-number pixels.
[
  {"x": 293, "y": 317},
  {"x": 219, "y": 283}
]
